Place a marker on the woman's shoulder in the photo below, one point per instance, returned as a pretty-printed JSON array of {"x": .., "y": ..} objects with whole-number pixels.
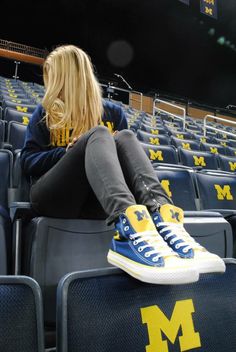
[{"x": 111, "y": 106}]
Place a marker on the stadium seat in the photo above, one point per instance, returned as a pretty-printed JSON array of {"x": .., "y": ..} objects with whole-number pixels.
[
  {"x": 227, "y": 163},
  {"x": 209, "y": 227},
  {"x": 189, "y": 144},
  {"x": 154, "y": 139},
  {"x": 179, "y": 185},
  {"x": 161, "y": 153},
  {"x": 216, "y": 190},
  {"x": 19, "y": 106},
  {"x": 153, "y": 130},
  {"x": 21, "y": 316},
  {"x": 182, "y": 135},
  {"x": 107, "y": 310},
  {"x": 198, "y": 159},
  {"x": 14, "y": 115},
  {"x": 213, "y": 148},
  {"x": 6, "y": 162},
  {"x": 15, "y": 135}
]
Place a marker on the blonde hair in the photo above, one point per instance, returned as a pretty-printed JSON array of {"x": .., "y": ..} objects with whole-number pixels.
[{"x": 73, "y": 97}]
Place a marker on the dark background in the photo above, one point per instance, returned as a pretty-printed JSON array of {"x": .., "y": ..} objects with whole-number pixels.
[{"x": 160, "y": 46}]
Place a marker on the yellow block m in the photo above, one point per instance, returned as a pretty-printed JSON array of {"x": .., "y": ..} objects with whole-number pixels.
[
  {"x": 157, "y": 322},
  {"x": 199, "y": 161},
  {"x": 154, "y": 140},
  {"x": 208, "y": 11},
  {"x": 232, "y": 166},
  {"x": 223, "y": 192},
  {"x": 213, "y": 150},
  {"x": 186, "y": 146},
  {"x": 155, "y": 155}
]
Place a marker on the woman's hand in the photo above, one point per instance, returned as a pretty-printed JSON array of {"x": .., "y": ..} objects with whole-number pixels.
[{"x": 71, "y": 144}]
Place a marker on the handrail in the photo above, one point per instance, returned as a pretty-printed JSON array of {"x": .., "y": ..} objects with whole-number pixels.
[
  {"x": 205, "y": 126},
  {"x": 141, "y": 100},
  {"x": 23, "y": 49},
  {"x": 169, "y": 113}
]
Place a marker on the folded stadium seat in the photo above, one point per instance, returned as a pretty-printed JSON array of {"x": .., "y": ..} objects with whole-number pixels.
[
  {"x": 161, "y": 153},
  {"x": 154, "y": 139},
  {"x": 213, "y": 148},
  {"x": 21, "y": 316},
  {"x": 227, "y": 163},
  {"x": 230, "y": 151},
  {"x": 208, "y": 227},
  {"x": 15, "y": 135},
  {"x": 232, "y": 143},
  {"x": 14, "y": 115},
  {"x": 203, "y": 139},
  {"x": 223, "y": 142},
  {"x": 153, "y": 130},
  {"x": 178, "y": 184},
  {"x": 197, "y": 159},
  {"x": 6, "y": 161},
  {"x": 197, "y": 317},
  {"x": 217, "y": 191},
  {"x": 189, "y": 144},
  {"x": 182, "y": 135},
  {"x": 13, "y": 95},
  {"x": 18, "y": 105}
]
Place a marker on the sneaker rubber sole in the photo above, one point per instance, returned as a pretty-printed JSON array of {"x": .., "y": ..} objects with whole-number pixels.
[{"x": 154, "y": 275}]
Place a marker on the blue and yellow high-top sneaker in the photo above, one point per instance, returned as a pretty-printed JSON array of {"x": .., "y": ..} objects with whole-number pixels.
[
  {"x": 138, "y": 249},
  {"x": 169, "y": 223}
]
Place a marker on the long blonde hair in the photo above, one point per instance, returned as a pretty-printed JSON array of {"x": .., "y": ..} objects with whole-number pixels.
[{"x": 73, "y": 97}]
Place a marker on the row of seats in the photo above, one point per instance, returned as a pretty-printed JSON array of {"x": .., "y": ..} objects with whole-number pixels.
[{"x": 107, "y": 310}]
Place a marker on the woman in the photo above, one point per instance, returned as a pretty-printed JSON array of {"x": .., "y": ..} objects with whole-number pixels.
[{"x": 79, "y": 169}]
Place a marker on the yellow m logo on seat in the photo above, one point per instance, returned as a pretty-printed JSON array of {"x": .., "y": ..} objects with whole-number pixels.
[
  {"x": 154, "y": 141},
  {"x": 166, "y": 185},
  {"x": 223, "y": 192},
  {"x": 186, "y": 146},
  {"x": 157, "y": 322},
  {"x": 22, "y": 108},
  {"x": 155, "y": 155},
  {"x": 232, "y": 166},
  {"x": 199, "y": 160},
  {"x": 208, "y": 11},
  {"x": 154, "y": 131},
  {"x": 180, "y": 136},
  {"x": 213, "y": 150}
]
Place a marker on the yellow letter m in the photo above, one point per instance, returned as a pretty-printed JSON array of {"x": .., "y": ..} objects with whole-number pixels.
[
  {"x": 157, "y": 323},
  {"x": 223, "y": 192},
  {"x": 199, "y": 161},
  {"x": 155, "y": 155}
]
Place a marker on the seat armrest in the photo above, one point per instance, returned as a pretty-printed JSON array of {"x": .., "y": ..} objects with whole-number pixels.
[{"x": 21, "y": 210}]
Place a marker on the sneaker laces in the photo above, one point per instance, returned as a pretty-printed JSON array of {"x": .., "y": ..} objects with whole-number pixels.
[
  {"x": 178, "y": 232},
  {"x": 153, "y": 240}
]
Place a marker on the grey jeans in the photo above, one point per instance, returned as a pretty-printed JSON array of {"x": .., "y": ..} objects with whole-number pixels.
[{"x": 98, "y": 178}]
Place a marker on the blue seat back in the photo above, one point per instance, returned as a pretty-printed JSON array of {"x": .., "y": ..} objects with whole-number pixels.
[
  {"x": 108, "y": 310},
  {"x": 21, "y": 317}
]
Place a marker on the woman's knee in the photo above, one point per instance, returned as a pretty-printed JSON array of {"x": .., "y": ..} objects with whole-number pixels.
[
  {"x": 125, "y": 135},
  {"x": 100, "y": 131}
]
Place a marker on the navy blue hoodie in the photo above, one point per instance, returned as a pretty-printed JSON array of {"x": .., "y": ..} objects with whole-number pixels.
[{"x": 38, "y": 154}]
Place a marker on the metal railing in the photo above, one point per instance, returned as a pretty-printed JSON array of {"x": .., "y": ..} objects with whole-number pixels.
[
  {"x": 182, "y": 118},
  {"x": 23, "y": 49},
  {"x": 205, "y": 126}
]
